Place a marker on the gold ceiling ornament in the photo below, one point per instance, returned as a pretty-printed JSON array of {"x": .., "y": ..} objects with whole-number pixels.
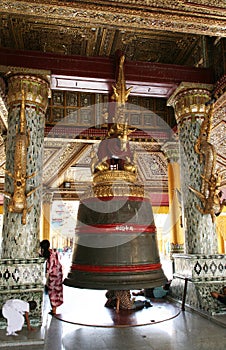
[{"x": 180, "y": 16}]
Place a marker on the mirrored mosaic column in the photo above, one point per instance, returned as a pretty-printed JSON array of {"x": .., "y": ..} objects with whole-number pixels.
[
  {"x": 201, "y": 269},
  {"x": 190, "y": 107},
  {"x": 20, "y": 239},
  {"x": 21, "y": 269}
]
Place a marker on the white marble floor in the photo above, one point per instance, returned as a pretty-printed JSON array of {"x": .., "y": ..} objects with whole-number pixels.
[{"x": 186, "y": 331}]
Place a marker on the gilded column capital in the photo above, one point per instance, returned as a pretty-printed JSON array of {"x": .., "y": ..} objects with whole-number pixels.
[
  {"x": 36, "y": 90},
  {"x": 190, "y": 99},
  {"x": 171, "y": 151},
  {"x": 47, "y": 198}
]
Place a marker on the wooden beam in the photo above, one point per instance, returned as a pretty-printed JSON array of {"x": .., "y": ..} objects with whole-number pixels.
[{"x": 104, "y": 68}]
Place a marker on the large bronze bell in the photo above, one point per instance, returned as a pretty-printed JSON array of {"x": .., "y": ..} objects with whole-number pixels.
[{"x": 115, "y": 245}]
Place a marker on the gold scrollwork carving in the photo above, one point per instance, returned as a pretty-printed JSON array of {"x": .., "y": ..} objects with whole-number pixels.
[
  {"x": 114, "y": 189},
  {"x": 18, "y": 199},
  {"x": 111, "y": 176},
  {"x": 210, "y": 195}
]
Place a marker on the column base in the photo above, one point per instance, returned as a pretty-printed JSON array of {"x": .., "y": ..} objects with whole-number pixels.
[
  {"x": 23, "y": 279},
  {"x": 204, "y": 274}
]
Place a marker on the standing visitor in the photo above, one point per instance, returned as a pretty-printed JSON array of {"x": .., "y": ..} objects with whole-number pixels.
[{"x": 54, "y": 275}]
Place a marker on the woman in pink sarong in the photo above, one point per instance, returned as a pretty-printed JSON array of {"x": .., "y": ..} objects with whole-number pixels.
[{"x": 54, "y": 275}]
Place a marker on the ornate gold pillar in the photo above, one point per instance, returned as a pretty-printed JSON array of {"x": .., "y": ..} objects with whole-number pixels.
[
  {"x": 46, "y": 214},
  {"x": 171, "y": 151},
  {"x": 24, "y": 149},
  {"x": 21, "y": 268},
  {"x": 189, "y": 102},
  {"x": 201, "y": 267}
]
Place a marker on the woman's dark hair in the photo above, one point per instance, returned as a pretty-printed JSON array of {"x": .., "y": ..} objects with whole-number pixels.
[
  {"x": 45, "y": 248},
  {"x": 32, "y": 304}
]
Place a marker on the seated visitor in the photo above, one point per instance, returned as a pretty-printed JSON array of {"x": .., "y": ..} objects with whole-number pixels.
[
  {"x": 13, "y": 310},
  {"x": 220, "y": 296},
  {"x": 156, "y": 292},
  {"x": 121, "y": 300}
]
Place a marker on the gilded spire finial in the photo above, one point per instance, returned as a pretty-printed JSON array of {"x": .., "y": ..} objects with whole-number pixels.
[
  {"x": 121, "y": 93},
  {"x": 114, "y": 154}
]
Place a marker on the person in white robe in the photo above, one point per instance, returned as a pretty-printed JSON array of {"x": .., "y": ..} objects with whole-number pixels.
[{"x": 16, "y": 312}]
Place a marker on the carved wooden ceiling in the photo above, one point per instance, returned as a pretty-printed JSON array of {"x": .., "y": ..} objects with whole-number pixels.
[
  {"x": 179, "y": 32},
  {"x": 156, "y": 31}
]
